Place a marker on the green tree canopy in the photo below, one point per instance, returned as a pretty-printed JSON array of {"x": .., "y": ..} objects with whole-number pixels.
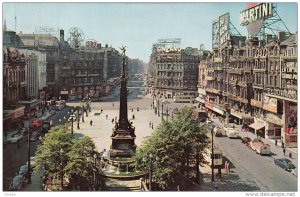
[{"x": 175, "y": 147}]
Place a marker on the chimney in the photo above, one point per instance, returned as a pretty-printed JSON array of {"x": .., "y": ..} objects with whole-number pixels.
[
  {"x": 281, "y": 36},
  {"x": 268, "y": 38},
  {"x": 62, "y": 36}
]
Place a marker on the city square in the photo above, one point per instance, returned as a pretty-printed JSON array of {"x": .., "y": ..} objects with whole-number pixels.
[{"x": 151, "y": 107}]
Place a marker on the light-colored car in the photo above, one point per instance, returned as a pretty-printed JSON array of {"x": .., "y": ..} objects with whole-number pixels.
[
  {"x": 23, "y": 170},
  {"x": 32, "y": 162},
  {"x": 17, "y": 183},
  {"x": 14, "y": 138},
  {"x": 34, "y": 136}
]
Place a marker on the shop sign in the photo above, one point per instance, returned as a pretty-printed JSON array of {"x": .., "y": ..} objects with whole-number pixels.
[
  {"x": 273, "y": 119},
  {"x": 201, "y": 91},
  {"x": 236, "y": 114},
  {"x": 270, "y": 104},
  {"x": 256, "y": 103},
  {"x": 218, "y": 110},
  {"x": 18, "y": 112},
  {"x": 64, "y": 92},
  {"x": 208, "y": 105}
]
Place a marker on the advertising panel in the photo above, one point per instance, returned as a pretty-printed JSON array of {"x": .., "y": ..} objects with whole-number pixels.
[
  {"x": 224, "y": 30},
  {"x": 254, "y": 16},
  {"x": 270, "y": 104},
  {"x": 215, "y": 34}
]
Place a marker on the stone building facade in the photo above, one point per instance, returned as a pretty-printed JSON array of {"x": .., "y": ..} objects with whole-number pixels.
[
  {"x": 176, "y": 74},
  {"x": 253, "y": 83}
]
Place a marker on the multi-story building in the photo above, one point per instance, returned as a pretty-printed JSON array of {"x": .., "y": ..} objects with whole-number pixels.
[
  {"x": 254, "y": 84},
  {"x": 176, "y": 74},
  {"x": 14, "y": 87},
  {"x": 35, "y": 72}
]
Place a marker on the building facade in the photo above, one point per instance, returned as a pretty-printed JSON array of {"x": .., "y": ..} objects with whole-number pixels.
[
  {"x": 253, "y": 83},
  {"x": 176, "y": 73}
]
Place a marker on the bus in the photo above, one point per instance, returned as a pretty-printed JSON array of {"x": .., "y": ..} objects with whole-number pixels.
[
  {"x": 183, "y": 98},
  {"x": 218, "y": 156}
]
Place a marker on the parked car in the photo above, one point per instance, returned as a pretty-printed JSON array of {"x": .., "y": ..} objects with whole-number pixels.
[
  {"x": 34, "y": 136},
  {"x": 32, "y": 162},
  {"x": 97, "y": 114},
  {"x": 23, "y": 131},
  {"x": 218, "y": 132},
  {"x": 246, "y": 140},
  {"x": 260, "y": 147},
  {"x": 285, "y": 164},
  {"x": 14, "y": 138},
  {"x": 17, "y": 183},
  {"x": 23, "y": 170}
]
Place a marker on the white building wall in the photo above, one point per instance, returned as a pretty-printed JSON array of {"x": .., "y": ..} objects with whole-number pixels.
[{"x": 35, "y": 71}]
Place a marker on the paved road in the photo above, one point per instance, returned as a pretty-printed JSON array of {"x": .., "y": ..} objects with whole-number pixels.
[
  {"x": 14, "y": 157},
  {"x": 252, "y": 166}
]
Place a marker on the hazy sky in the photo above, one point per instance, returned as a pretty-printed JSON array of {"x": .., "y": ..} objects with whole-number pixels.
[{"x": 136, "y": 25}]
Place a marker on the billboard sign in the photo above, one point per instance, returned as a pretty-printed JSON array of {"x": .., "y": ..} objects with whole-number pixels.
[
  {"x": 253, "y": 17},
  {"x": 215, "y": 34},
  {"x": 224, "y": 29},
  {"x": 91, "y": 44},
  {"x": 220, "y": 31},
  {"x": 168, "y": 45},
  {"x": 270, "y": 104}
]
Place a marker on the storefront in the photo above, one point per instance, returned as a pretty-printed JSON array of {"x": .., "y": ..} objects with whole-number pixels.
[
  {"x": 14, "y": 117},
  {"x": 259, "y": 128}
]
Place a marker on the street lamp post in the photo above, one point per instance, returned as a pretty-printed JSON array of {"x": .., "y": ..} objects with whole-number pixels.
[
  {"x": 78, "y": 118},
  {"x": 28, "y": 153},
  {"x": 212, "y": 155},
  {"x": 162, "y": 111},
  {"x": 149, "y": 161},
  {"x": 62, "y": 169},
  {"x": 95, "y": 170}
]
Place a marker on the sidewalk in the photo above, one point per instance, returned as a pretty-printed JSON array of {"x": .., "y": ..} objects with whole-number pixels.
[
  {"x": 36, "y": 183},
  {"x": 277, "y": 150}
]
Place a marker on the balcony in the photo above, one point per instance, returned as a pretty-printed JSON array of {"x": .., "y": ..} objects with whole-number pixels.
[
  {"x": 235, "y": 71},
  {"x": 242, "y": 84}
]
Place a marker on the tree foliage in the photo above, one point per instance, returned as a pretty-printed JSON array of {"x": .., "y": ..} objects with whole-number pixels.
[
  {"x": 76, "y": 162},
  {"x": 175, "y": 148}
]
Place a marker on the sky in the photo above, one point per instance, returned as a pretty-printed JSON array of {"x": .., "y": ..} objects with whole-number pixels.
[{"x": 136, "y": 25}]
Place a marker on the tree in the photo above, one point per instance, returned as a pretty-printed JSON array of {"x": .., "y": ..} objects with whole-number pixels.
[
  {"x": 59, "y": 154},
  {"x": 176, "y": 147},
  {"x": 81, "y": 166},
  {"x": 49, "y": 156}
]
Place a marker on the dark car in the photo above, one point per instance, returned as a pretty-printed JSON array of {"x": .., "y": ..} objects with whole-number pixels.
[
  {"x": 97, "y": 114},
  {"x": 246, "y": 140},
  {"x": 285, "y": 164}
]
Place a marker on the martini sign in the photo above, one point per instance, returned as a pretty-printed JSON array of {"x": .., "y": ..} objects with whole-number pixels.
[{"x": 253, "y": 17}]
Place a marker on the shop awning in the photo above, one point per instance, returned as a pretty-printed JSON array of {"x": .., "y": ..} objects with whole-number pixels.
[{"x": 257, "y": 125}]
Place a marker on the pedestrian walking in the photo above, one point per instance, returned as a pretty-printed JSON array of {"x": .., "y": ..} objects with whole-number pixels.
[
  {"x": 131, "y": 109},
  {"x": 290, "y": 155},
  {"x": 112, "y": 121},
  {"x": 91, "y": 123},
  {"x": 113, "y": 104},
  {"x": 150, "y": 124},
  {"x": 226, "y": 166},
  {"x": 151, "y": 106},
  {"x": 283, "y": 149},
  {"x": 101, "y": 110},
  {"x": 106, "y": 116},
  {"x": 282, "y": 144},
  {"x": 133, "y": 116},
  {"x": 276, "y": 142}
]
